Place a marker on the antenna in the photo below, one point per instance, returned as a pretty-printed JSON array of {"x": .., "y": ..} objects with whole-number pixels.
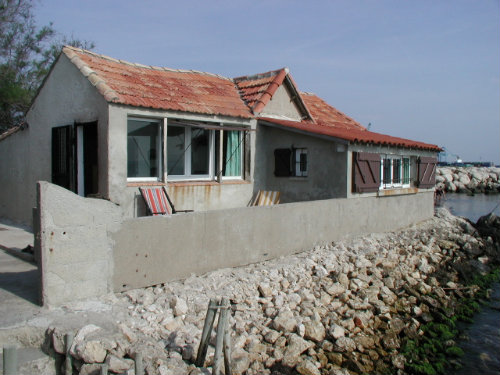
[{"x": 369, "y": 126}]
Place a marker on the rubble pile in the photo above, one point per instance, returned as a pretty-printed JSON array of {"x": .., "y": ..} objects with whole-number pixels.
[
  {"x": 468, "y": 180},
  {"x": 343, "y": 308}
]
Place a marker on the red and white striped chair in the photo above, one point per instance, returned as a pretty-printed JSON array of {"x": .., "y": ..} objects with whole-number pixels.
[{"x": 158, "y": 202}]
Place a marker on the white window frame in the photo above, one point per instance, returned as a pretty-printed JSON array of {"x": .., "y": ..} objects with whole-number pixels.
[
  {"x": 296, "y": 162},
  {"x": 159, "y": 145},
  {"x": 212, "y": 175},
  {"x": 187, "y": 176},
  {"x": 241, "y": 147},
  {"x": 391, "y": 184}
]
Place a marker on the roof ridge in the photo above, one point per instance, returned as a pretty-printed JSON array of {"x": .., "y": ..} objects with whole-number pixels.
[
  {"x": 143, "y": 66},
  {"x": 261, "y": 75}
]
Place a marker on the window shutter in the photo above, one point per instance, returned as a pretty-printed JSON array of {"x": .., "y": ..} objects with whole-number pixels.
[
  {"x": 62, "y": 156},
  {"x": 426, "y": 172},
  {"x": 282, "y": 161},
  {"x": 366, "y": 172}
]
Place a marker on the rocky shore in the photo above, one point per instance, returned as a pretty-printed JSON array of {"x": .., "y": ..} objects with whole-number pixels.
[
  {"x": 358, "y": 306},
  {"x": 468, "y": 180}
]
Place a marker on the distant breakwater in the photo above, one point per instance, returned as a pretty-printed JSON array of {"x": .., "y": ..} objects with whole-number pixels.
[{"x": 469, "y": 180}]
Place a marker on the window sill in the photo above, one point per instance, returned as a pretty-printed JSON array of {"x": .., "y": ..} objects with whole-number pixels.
[{"x": 397, "y": 191}]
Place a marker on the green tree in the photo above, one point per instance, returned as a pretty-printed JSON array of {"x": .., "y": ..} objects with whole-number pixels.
[{"x": 26, "y": 54}]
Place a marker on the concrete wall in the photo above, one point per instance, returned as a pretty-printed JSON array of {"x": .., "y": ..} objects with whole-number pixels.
[
  {"x": 74, "y": 245},
  {"x": 25, "y": 157},
  {"x": 326, "y": 160},
  {"x": 152, "y": 250},
  {"x": 87, "y": 249}
]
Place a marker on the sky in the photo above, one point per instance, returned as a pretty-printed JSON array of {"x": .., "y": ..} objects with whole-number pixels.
[{"x": 425, "y": 70}]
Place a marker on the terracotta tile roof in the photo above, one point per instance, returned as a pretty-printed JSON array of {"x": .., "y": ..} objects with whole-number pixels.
[
  {"x": 160, "y": 88},
  {"x": 9, "y": 132},
  {"x": 258, "y": 89},
  {"x": 324, "y": 114},
  {"x": 353, "y": 135}
]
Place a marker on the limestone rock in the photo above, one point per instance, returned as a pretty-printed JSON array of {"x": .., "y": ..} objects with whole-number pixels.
[
  {"x": 307, "y": 367},
  {"x": 296, "y": 346},
  {"x": 336, "y": 331},
  {"x": 284, "y": 321},
  {"x": 314, "y": 331},
  {"x": 344, "y": 344},
  {"x": 118, "y": 365}
]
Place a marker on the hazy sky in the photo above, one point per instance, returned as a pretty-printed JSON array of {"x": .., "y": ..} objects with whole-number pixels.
[{"x": 424, "y": 70}]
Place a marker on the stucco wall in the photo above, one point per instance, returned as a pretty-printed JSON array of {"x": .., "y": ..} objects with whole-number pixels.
[
  {"x": 281, "y": 105},
  {"x": 26, "y": 156},
  {"x": 326, "y": 163},
  {"x": 86, "y": 248},
  {"x": 153, "y": 250},
  {"x": 74, "y": 247}
]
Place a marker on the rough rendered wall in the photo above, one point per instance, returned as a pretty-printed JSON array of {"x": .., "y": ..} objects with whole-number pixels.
[
  {"x": 152, "y": 250},
  {"x": 26, "y": 156},
  {"x": 75, "y": 246},
  {"x": 326, "y": 166}
]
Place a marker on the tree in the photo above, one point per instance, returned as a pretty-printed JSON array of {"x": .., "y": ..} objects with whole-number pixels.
[{"x": 26, "y": 54}]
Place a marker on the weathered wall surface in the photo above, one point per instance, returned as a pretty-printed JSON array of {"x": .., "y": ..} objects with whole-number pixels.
[
  {"x": 26, "y": 156},
  {"x": 152, "y": 250},
  {"x": 75, "y": 249},
  {"x": 281, "y": 104},
  {"x": 326, "y": 163},
  {"x": 87, "y": 249}
]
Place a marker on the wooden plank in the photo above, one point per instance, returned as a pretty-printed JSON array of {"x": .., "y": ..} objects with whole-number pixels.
[{"x": 207, "y": 329}]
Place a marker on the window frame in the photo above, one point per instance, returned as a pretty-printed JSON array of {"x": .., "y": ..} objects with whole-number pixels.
[
  {"x": 159, "y": 146},
  {"x": 391, "y": 184},
  {"x": 241, "y": 146},
  {"x": 297, "y": 162}
]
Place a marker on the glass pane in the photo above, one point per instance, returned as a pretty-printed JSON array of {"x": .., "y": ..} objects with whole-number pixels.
[
  {"x": 143, "y": 153},
  {"x": 387, "y": 171},
  {"x": 406, "y": 171},
  {"x": 396, "y": 171},
  {"x": 175, "y": 150},
  {"x": 200, "y": 151},
  {"x": 232, "y": 153}
]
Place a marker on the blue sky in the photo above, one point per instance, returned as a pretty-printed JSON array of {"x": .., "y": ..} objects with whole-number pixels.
[{"x": 424, "y": 70}]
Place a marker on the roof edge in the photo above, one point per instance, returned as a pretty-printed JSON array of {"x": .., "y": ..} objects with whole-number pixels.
[
  {"x": 102, "y": 87},
  {"x": 270, "y": 91}
]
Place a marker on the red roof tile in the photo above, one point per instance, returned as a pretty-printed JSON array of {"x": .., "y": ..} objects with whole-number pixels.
[
  {"x": 159, "y": 88},
  {"x": 354, "y": 135},
  {"x": 257, "y": 90}
]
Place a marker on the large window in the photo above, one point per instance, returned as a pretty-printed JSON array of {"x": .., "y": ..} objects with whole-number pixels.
[
  {"x": 203, "y": 154},
  {"x": 144, "y": 149},
  {"x": 395, "y": 172}
]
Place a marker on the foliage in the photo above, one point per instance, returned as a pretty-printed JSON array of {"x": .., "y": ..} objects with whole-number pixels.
[{"x": 26, "y": 54}]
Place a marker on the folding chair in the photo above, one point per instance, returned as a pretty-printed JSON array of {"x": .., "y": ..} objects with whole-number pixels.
[
  {"x": 267, "y": 198},
  {"x": 158, "y": 202}
]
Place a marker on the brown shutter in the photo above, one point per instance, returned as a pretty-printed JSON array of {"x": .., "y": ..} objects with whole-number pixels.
[
  {"x": 365, "y": 172},
  {"x": 282, "y": 162},
  {"x": 426, "y": 172}
]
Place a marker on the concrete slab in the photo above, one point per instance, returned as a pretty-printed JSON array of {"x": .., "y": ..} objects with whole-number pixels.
[{"x": 14, "y": 239}]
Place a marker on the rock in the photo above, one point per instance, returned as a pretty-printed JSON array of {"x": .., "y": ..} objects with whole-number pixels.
[
  {"x": 285, "y": 321},
  {"x": 344, "y": 344},
  {"x": 335, "y": 289},
  {"x": 93, "y": 351},
  {"x": 307, "y": 367},
  {"x": 296, "y": 346},
  {"x": 240, "y": 361},
  {"x": 179, "y": 306},
  {"x": 265, "y": 290},
  {"x": 272, "y": 336},
  {"x": 118, "y": 365},
  {"x": 398, "y": 361},
  {"x": 390, "y": 341},
  {"x": 336, "y": 331},
  {"x": 335, "y": 358},
  {"x": 314, "y": 331},
  {"x": 90, "y": 369}
]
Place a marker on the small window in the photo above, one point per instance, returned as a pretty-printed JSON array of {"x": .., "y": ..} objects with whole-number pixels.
[
  {"x": 395, "y": 172},
  {"x": 300, "y": 162},
  {"x": 144, "y": 150},
  {"x": 290, "y": 162}
]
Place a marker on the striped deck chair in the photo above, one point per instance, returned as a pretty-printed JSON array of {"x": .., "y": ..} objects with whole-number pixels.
[
  {"x": 267, "y": 198},
  {"x": 158, "y": 201}
]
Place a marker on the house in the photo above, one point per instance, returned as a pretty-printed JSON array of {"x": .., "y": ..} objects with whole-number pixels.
[{"x": 103, "y": 127}]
